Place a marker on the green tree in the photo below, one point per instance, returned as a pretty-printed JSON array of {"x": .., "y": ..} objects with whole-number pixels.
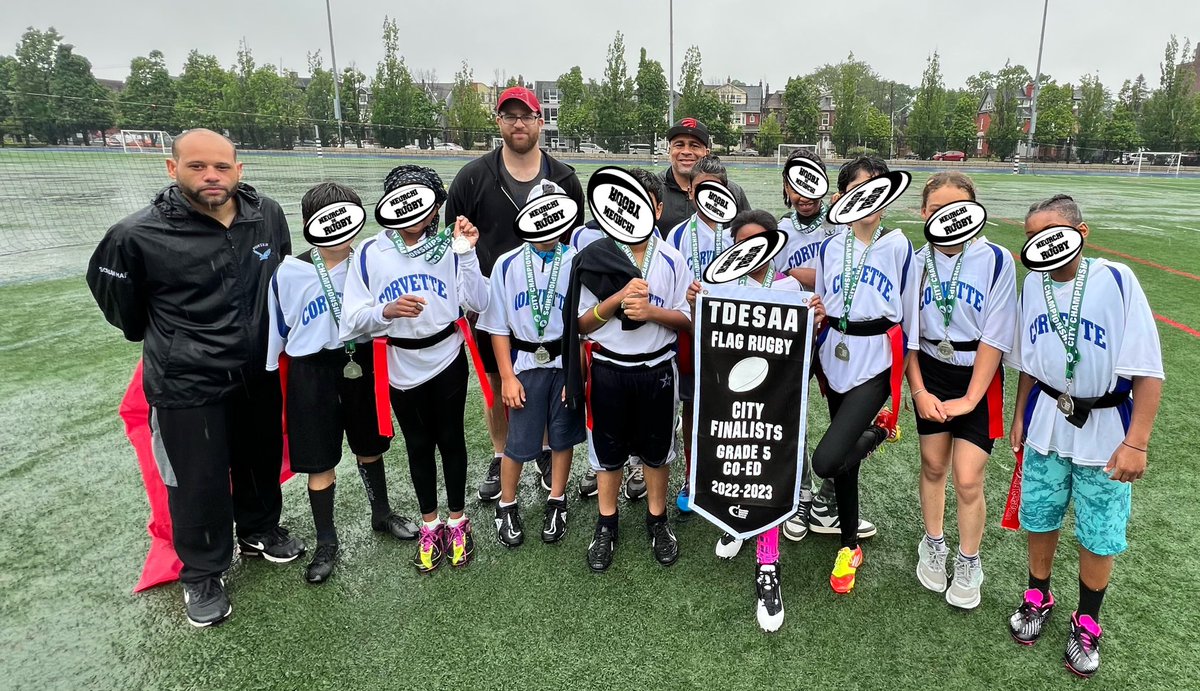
[
  {"x": 1093, "y": 112},
  {"x": 1005, "y": 130},
  {"x": 653, "y": 99},
  {"x": 700, "y": 103},
  {"x": 469, "y": 119},
  {"x": 352, "y": 116},
  {"x": 31, "y": 103},
  {"x": 8, "y": 117},
  {"x": 148, "y": 101},
  {"x": 280, "y": 107},
  {"x": 850, "y": 123},
  {"x": 240, "y": 102},
  {"x": 1167, "y": 119},
  {"x": 802, "y": 110},
  {"x": 979, "y": 83},
  {"x": 84, "y": 105},
  {"x": 770, "y": 135},
  {"x": 961, "y": 134},
  {"x": 402, "y": 111},
  {"x": 1056, "y": 119},
  {"x": 877, "y": 130},
  {"x": 1121, "y": 130},
  {"x": 616, "y": 110},
  {"x": 200, "y": 93},
  {"x": 927, "y": 124},
  {"x": 318, "y": 98},
  {"x": 576, "y": 107}
]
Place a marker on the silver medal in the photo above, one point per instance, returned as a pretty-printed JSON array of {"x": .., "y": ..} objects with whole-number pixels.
[
  {"x": 541, "y": 355},
  {"x": 460, "y": 245},
  {"x": 1066, "y": 405},
  {"x": 945, "y": 350},
  {"x": 842, "y": 352},
  {"x": 352, "y": 370}
]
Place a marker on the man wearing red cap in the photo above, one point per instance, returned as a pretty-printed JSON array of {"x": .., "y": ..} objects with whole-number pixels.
[
  {"x": 689, "y": 142},
  {"x": 489, "y": 192}
]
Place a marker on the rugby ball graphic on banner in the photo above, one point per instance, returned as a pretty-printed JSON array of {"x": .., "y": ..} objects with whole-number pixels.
[
  {"x": 334, "y": 224},
  {"x": 806, "y": 178},
  {"x": 716, "y": 201},
  {"x": 956, "y": 223},
  {"x": 1052, "y": 248},
  {"x": 620, "y": 205},
  {"x": 405, "y": 206},
  {"x": 871, "y": 197},
  {"x": 546, "y": 218},
  {"x": 745, "y": 257},
  {"x": 747, "y": 374}
]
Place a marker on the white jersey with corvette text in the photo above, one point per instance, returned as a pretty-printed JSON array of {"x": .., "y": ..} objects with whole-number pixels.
[
  {"x": 1117, "y": 340},
  {"x": 680, "y": 237},
  {"x": 509, "y": 311},
  {"x": 804, "y": 243},
  {"x": 301, "y": 322},
  {"x": 583, "y": 236}
]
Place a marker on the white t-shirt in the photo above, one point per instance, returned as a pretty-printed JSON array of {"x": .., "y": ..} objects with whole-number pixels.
[
  {"x": 1117, "y": 340},
  {"x": 887, "y": 289},
  {"x": 301, "y": 322},
  {"x": 583, "y": 236},
  {"x": 986, "y": 306},
  {"x": 803, "y": 243},
  {"x": 669, "y": 279},
  {"x": 680, "y": 237},
  {"x": 509, "y": 312},
  {"x": 380, "y": 274}
]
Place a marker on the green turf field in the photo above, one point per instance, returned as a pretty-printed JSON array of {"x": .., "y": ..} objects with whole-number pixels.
[{"x": 74, "y": 515}]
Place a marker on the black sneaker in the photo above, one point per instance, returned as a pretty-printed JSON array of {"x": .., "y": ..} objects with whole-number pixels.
[
  {"x": 554, "y": 525},
  {"x": 206, "y": 602},
  {"x": 1083, "y": 646},
  {"x": 1027, "y": 622},
  {"x": 274, "y": 545},
  {"x": 663, "y": 542},
  {"x": 769, "y": 610},
  {"x": 545, "y": 469},
  {"x": 489, "y": 488},
  {"x": 401, "y": 527},
  {"x": 588, "y": 486},
  {"x": 600, "y": 551},
  {"x": 510, "y": 530},
  {"x": 321, "y": 566}
]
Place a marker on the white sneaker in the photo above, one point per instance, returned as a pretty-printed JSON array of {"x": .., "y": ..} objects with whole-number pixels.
[
  {"x": 931, "y": 566},
  {"x": 769, "y": 609},
  {"x": 823, "y": 520},
  {"x": 964, "y": 589},
  {"x": 729, "y": 546},
  {"x": 796, "y": 527}
]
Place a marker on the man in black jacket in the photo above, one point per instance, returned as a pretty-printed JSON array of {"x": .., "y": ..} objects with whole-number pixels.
[
  {"x": 689, "y": 142},
  {"x": 490, "y": 191},
  {"x": 188, "y": 276}
]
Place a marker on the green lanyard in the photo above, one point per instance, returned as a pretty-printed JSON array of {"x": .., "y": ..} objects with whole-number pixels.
[
  {"x": 541, "y": 311},
  {"x": 651, "y": 247},
  {"x": 1069, "y": 331},
  {"x": 945, "y": 303},
  {"x": 435, "y": 245},
  {"x": 352, "y": 369},
  {"x": 851, "y": 274},
  {"x": 812, "y": 225},
  {"x": 768, "y": 281},
  {"x": 698, "y": 270}
]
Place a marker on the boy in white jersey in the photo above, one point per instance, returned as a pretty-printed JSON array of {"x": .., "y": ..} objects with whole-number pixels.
[
  {"x": 525, "y": 319},
  {"x": 867, "y": 280},
  {"x": 328, "y": 383},
  {"x": 630, "y": 301},
  {"x": 968, "y": 311},
  {"x": 411, "y": 286},
  {"x": 1086, "y": 344}
]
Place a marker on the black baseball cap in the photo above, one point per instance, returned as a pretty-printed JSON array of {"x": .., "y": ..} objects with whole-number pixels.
[{"x": 693, "y": 127}]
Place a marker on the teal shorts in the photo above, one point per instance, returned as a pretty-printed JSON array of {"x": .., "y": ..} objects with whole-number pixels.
[{"x": 1102, "y": 504}]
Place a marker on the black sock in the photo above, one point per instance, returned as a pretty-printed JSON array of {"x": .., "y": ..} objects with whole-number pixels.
[
  {"x": 651, "y": 519},
  {"x": 375, "y": 483},
  {"x": 322, "y": 509},
  {"x": 1042, "y": 584},
  {"x": 609, "y": 522},
  {"x": 1090, "y": 601}
]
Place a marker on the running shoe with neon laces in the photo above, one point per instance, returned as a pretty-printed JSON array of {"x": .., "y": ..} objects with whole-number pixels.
[
  {"x": 931, "y": 566},
  {"x": 1027, "y": 622},
  {"x": 769, "y": 610},
  {"x": 489, "y": 486},
  {"x": 430, "y": 548},
  {"x": 460, "y": 544},
  {"x": 1083, "y": 646},
  {"x": 510, "y": 529},
  {"x": 588, "y": 485},
  {"x": 635, "y": 482},
  {"x": 844, "y": 569},
  {"x": 968, "y": 579},
  {"x": 728, "y": 546}
]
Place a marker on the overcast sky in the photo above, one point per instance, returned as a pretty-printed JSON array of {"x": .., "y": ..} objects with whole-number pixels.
[{"x": 768, "y": 40}]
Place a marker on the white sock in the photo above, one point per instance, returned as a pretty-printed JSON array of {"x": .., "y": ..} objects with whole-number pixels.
[
  {"x": 434, "y": 523},
  {"x": 938, "y": 543},
  {"x": 558, "y": 498},
  {"x": 505, "y": 504},
  {"x": 455, "y": 522}
]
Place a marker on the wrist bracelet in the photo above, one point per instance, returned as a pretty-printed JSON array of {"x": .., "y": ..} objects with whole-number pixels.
[
  {"x": 1133, "y": 447},
  {"x": 596, "y": 313},
  {"x": 918, "y": 392}
]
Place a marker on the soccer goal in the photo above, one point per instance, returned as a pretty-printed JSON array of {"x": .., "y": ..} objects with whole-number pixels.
[
  {"x": 785, "y": 150},
  {"x": 1171, "y": 159},
  {"x": 145, "y": 141}
]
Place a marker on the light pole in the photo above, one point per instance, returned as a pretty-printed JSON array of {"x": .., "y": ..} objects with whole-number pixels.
[
  {"x": 1037, "y": 83},
  {"x": 892, "y": 139},
  {"x": 670, "y": 63},
  {"x": 337, "y": 95}
]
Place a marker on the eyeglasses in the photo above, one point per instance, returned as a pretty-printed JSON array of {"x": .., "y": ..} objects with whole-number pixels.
[{"x": 528, "y": 118}]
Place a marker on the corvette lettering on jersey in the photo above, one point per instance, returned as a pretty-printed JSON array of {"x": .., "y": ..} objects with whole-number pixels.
[
  {"x": 412, "y": 283},
  {"x": 872, "y": 277}
]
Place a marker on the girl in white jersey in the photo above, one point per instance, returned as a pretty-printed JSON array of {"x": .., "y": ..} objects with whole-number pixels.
[
  {"x": 411, "y": 287},
  {"x": 968, "y": 311},
  {"x": 867, "y": 279},
  {"x": 327, "y": 383},
  {"x": 1085, "y": 344}
]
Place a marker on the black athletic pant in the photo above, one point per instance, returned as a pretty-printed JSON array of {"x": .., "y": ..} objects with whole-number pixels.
[
  {"x": 839, "y": 453},
  {"x": 220, "y": 463},
  {"x": 431, "y": 416}
]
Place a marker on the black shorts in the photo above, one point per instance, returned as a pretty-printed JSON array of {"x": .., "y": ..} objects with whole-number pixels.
[
  {"x": 483, "y": 340},
  {"x": 948, "y": 382},
  {"x": 633, "y": 414},
  {"x": 323, "y": 405}
]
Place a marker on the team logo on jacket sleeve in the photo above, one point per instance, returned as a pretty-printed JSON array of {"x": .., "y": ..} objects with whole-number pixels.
[
  {"x": 745, "y": 257},
  {"x": 334, "y": 224},
  {"x": 806, "y": 178},
  {"x": 716, "y": 201},
  {"x": 405, "y": 206},
  {"x": 1052, "y": 248},
  {"x": 546, "y": 218},
  {"x": 620, "y": 205},
  {"x": 871, "y": 197},
  {"x": 956, "y": 223}
]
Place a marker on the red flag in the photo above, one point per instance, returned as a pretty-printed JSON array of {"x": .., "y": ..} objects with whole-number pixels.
[
  {"x": 162, "y": 564},
  {"x": 1012, "y": 507}
]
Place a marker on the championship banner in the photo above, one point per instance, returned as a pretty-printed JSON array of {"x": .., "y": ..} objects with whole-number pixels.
[{"x": 753, "y": 352}]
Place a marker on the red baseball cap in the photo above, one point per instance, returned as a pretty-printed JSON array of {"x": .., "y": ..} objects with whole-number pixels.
[{"x": 521, "y": 94}]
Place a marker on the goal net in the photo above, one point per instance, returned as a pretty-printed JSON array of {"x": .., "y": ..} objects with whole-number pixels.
[
  {"x": 1170, "y": 159},
  {"x": 145, "y": 141},
  {"x": 785, "y": 150}
]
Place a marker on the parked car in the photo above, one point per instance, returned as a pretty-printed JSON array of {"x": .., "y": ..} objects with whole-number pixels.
[
  {"x": 949, "y": 156},
  {"x": 638, "y": 149},
  {"x": 410, "y": 147},
  {"x": 1130, "y": 159},
  {"x": 590, "y": 148},
  {"x": 447, "y": 146}
]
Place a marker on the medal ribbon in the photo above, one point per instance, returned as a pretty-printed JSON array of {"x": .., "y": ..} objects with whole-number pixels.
[
  {"x": 331, "y": 296},
  {"x": 945, "y": 303},
  {"x": 541, "y": 312},
  {"x": 1069, "y": 331},
  {"x": 768, "y": 280},
  {"x": 812, "y": 225},
  {"x": 435, "y": 245},
  {"x": 851, "y": 274},
  {"x": 651, "y": 247},
  {"x": 694, "y": 232}
]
